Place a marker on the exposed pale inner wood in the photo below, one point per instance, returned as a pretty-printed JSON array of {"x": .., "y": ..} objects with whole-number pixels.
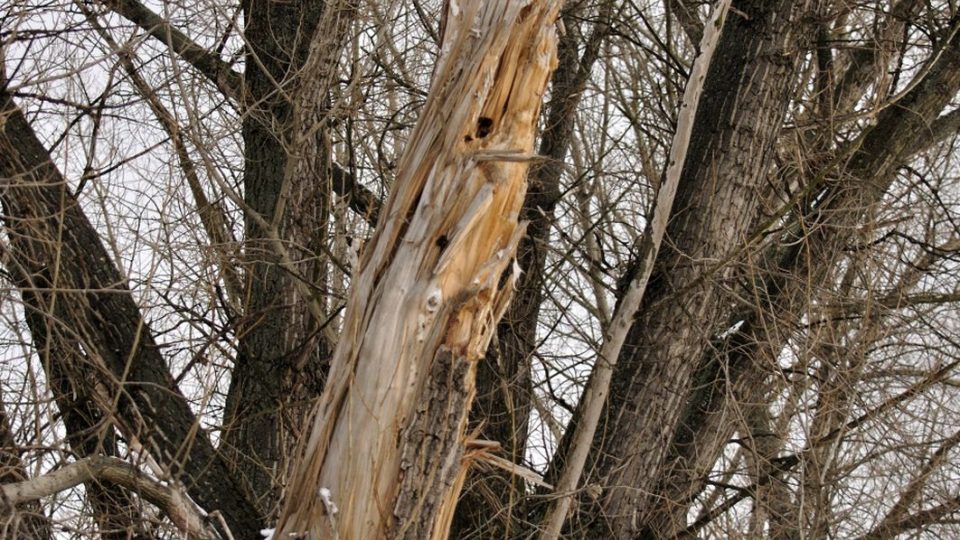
[{"x": 428, "y": 291}]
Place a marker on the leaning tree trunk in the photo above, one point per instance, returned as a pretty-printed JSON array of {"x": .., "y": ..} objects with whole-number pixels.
[
  {"x": 388, "y": 443},
  {"x": 26, "y": 521},
  {"x": 55, "y": 253},
  {"x": 746, "y": 94}
]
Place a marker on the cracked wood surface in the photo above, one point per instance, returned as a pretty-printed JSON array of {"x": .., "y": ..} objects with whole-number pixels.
[{"x": 389, "y": 432}]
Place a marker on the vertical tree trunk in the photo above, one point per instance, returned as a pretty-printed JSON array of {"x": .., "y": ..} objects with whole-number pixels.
[
  {"x": 387, "y": 445},
  {"x": 283, "y": 359}
]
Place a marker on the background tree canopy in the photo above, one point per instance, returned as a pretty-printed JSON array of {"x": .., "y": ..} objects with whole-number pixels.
[{"x": 239, "y": 239}]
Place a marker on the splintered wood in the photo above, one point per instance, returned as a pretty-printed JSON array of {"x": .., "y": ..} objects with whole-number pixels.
[{"x": 388, "y": 440}]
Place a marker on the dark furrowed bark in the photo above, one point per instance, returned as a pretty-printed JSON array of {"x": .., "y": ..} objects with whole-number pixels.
[
  {"x": 61, "y": 254},
  {"x": 72, "y": 378},
  {"x": 25, "y": 522},
  {"x": 282, "y": 356},
  {"x": 288, "y": 179},
  {"x": 703, "y": 430},
  {"x": 745, "y": 98},
  {"x": 736, "y": 369}
]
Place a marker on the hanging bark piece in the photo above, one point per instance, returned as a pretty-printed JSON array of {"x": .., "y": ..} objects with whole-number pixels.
[{"x": 385, "y": 455}]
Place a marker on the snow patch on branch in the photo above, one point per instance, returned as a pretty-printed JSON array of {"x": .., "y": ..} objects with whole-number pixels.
[{"x": 327, "y": 498}]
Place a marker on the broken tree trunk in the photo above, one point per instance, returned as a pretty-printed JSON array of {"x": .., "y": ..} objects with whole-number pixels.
[{"x": 387, "y": 446}]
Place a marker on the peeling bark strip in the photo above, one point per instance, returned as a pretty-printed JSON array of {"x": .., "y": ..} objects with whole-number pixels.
[{"x": 388, "y": 437}]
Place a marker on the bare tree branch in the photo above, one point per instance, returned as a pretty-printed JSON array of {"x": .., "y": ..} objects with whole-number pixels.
[
  {"x": 917, "y": 520},
  {"x": 17, "y": 524},
  {"x": 783, "y": 464},
  {"x": 898, "y": 518},
  {"x": 175, "y": 504},
  {"x": 215, "y": 69},
  {"x": 211, "y": 214}
]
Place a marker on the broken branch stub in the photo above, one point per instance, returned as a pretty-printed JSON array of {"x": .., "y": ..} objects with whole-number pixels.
[{"x": 388, "y": 436}]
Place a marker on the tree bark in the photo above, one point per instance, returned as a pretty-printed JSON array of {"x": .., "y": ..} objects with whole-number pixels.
[
  {"x": 745, "y": 99},
  {"x": 736, "y": 368},
  {"x": 504, "y": 386},
  {"x": 388, "y": 439},
  {"x": 284, "y": 352},
  {"x": 598, "y": 388},
  {"x": 59, "y": 256}
]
